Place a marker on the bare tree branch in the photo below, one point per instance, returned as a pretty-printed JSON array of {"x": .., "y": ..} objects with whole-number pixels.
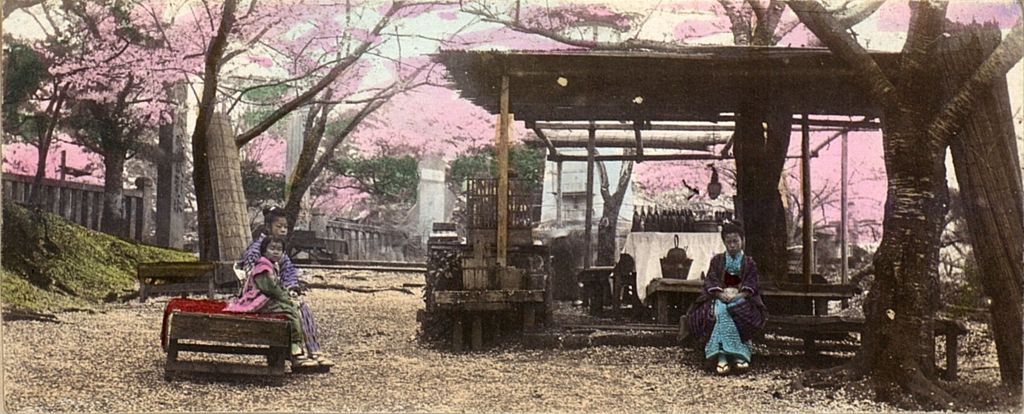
[
  {"x": 832, "y": 33},
  {"x": 1007, "y": 54}
]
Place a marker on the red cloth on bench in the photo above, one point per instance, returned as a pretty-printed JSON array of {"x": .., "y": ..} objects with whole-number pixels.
[{"x": 215, "y": 307}]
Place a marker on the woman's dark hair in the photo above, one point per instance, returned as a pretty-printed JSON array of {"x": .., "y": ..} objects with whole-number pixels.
[
  {"x": 266, "y": 242},
  {"x": 732, "y": 227},
  {"x": 272, "y": 213}
]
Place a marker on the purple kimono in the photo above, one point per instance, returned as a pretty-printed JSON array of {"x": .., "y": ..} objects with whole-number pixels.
[{"x": 749, "y": 315}]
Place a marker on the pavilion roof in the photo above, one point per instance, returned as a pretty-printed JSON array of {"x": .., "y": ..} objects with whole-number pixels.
[{"x": 700, "y": 83}]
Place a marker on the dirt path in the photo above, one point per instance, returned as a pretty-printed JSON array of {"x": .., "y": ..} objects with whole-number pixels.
[{"x": 112, "y": 362}]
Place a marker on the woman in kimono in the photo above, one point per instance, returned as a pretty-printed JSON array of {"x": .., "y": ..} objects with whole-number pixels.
[
  {"x": 276, "y": 224},
  {"x": 729, "y": 311}
]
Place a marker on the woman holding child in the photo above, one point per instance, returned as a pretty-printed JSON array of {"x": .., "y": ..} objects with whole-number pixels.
[{"x": 276, "y": 226}]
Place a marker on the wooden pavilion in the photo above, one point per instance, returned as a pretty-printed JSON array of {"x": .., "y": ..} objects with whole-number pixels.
[{"x": 644, "y": 93}]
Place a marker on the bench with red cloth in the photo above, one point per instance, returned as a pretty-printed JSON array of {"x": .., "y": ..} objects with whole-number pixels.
[{"x": 192, "y": 325}]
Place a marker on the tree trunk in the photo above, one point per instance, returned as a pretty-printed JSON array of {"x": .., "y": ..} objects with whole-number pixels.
[
  {"x": 205, "y": 215},
  {"x": 112, "y": 218},
  {"x": 898, "y": 341},
  {"x": 988, "y": 171},
  {"x": 35, "y": 196},
  {"x": 607, "y": 252},
  {"x": 228, "y": 196},
  {"x": 759, "y": 164}
]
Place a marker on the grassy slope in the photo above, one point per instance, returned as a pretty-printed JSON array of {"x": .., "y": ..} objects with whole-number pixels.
[{"x": 50, "y": 264}]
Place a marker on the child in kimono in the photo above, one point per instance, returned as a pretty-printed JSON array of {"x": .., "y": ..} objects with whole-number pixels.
[
  {"x": 275, "y": 223},
  {"x": 263, "y": 293}
]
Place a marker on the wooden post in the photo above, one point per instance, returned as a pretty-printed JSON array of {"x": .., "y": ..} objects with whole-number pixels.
[
  {"x": 457, "y": 333},
  {"x": 805, "y": 186},
  {"x": 502, "y": 205},
  {"x": 477, "y": 340},
  {"x": 843, "y": 220},
  {"x": 951, "y": 354},
  {"x": 661, "y": 302},
  {"x": 592, "y": 136},
  {"x": 558, "y": 194}
]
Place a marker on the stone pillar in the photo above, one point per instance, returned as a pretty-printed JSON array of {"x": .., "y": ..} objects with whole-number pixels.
[
  {"x": 318, "y": 223},
  {"x": 430, "y": 196},
  {"x": 144, "y": 231},
  {"x": 293, "y": 144},
  {"x": 170, "y": 178}
]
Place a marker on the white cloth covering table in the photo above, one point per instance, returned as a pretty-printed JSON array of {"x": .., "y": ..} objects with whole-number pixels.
[{"x": 647, "y": 249}]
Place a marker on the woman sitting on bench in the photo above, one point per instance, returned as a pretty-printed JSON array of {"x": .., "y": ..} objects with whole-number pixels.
[
  {"x": 263, "y": 293},
  {"x": 275, "y": 223},
  {"x": 729, "y": 311}
]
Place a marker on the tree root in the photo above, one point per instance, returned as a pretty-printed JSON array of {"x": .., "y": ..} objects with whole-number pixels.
[
  {"x": 28, "y": 315},
  {"x": 915, "y": 393},
  {"x": 357, "y": 289}
]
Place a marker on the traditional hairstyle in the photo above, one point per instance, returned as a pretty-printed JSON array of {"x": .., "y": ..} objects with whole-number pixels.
[
  {"x": 271, "y": 213},
  {"x": 732, "y": 227},
  {"x": 266, "y": 242}
]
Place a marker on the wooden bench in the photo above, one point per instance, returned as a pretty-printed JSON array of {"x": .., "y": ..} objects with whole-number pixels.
[
  {"x": 811, "y": 327},
  {"x": 183, "y": 278},
  {"x": 667, "y": 292},
  {"x": 226, "y": 334}
]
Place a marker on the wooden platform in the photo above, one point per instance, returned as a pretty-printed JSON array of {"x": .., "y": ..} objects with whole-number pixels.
[
  {"x": 226, "y": 334},
  {"x": 469, "y": 306}
]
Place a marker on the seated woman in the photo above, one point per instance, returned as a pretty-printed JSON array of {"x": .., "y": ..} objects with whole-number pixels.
[
  {"x": 263, "y": 293},
  {"x": 275, "y": 223},
  {"x": 729, "y": 311}
]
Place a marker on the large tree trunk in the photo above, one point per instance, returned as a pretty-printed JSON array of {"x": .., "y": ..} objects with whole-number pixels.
[
  {"x": 988, "y": 171},
  {"x": 207, "y": 222},
  {"x": 759, "y": 164},
  {"x": 112, "y": 218},
  {"x": 228, "y": 196},
  {"x": 898, "y": 341}
]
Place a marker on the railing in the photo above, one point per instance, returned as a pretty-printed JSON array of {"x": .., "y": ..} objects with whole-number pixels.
[
  {"x": 366, "y": 242},
  {"x": 82, "y": 203}
]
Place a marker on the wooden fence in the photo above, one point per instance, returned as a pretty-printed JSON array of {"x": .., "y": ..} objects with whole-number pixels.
[
  {"x": 83, "y": 203},
  {"x": 366, "y": 242}
]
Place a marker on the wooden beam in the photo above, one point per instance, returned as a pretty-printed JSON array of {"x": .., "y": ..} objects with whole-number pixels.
[
  {"x": 502, "y": 204},
  {"x": 805, "y": 186},
  {"x": 700, "y": 143},
  {"x": 552, "y": 151},
  {"x": 709, "y": 125}
]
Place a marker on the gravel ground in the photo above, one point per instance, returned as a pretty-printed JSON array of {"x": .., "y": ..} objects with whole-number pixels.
[{"x": 112, "y": 362}]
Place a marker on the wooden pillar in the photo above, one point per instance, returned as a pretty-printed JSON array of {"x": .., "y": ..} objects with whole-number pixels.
[
  {"x": 502, "y": 204},
  {"x": 805, "y": 186},
  {"x": 558, "y": 194},
  {"x": 844, "y": 220},
  {"x": 592, "y": 136}
]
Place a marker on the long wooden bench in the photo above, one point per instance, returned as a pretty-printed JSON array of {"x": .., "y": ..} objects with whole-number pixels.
[
  {"x": 811, "y": 327},
  {"x": 226, "y": 334},
  {"x": 184, "y": 278}
]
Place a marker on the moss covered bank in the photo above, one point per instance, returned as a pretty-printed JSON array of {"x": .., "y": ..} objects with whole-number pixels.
[{"x": 50, "y": 264}]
